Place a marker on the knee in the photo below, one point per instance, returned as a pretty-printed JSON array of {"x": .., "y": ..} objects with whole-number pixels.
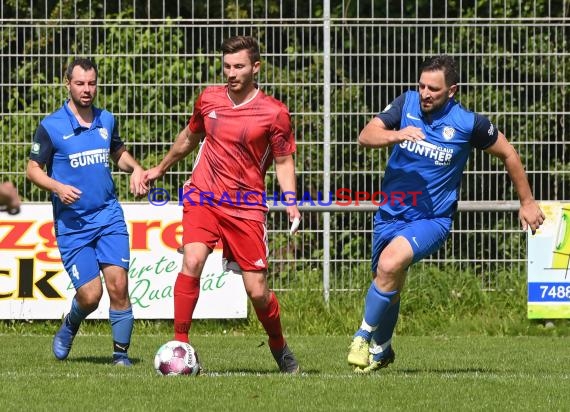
[
  {"x": 118, "y": 291},
  {"x": 193, "y": 264},
  {"x": 259, "y": 297},
  {"x": 387, "y": 268},
  {"x": 89, "y": 302},
  {"x": 389, "y": 275}
]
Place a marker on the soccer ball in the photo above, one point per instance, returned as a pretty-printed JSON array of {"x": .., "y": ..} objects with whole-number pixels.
[{"x": 176, "y": 358}]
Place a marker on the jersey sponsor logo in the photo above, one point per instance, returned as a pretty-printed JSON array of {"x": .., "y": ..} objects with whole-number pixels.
[
  {"x": 212, "y": 115},
  {"x": 441, "y": 155},
  {"x": 448, "y": 133},
  {"x": 104, "y": 133},
  {"x": 89, "y": 157},
  {"x": 410, "y": 116},
  {"x": 67, "y": 136},
  {"x": 415, "y": 241},
  {"x": 36, "y": 148}
]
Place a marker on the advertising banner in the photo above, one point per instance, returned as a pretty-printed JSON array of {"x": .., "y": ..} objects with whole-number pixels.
[
  {"x": 549, "y": 264},
  {"x": 34, "y": 284}
]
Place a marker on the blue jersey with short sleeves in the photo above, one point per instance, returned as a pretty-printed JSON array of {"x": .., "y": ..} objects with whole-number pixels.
[
  {"x": 79, "y": 156},
  {"x": 422, "y": 178}
]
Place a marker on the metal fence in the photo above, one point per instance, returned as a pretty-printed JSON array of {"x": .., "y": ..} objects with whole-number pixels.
[{"x": 335, "y": 64}]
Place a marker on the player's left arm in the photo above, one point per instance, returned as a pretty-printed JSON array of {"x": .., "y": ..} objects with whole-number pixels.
[
  {"x": 285, "y": 171},
  {"x": 530, "y": 214},
  {"x": 127, "y": 163}
]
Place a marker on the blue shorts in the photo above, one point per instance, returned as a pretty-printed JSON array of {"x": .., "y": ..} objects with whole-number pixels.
[
  {"x": 425, "y": 236},
  {"x": 82, "y": 253}
]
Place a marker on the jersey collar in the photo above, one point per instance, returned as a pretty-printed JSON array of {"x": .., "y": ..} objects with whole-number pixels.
[
  {"x": 75, "y": 124},
  {"x": 243, "y": 103},
  {"x": 434, "y": 117}
]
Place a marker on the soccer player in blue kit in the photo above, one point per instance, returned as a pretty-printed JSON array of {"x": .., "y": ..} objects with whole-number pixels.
[
  {"x": 432, "y": 137},
  {"x": 76, "y": 143}
]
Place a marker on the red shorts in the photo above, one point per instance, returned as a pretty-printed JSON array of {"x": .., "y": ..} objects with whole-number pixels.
[{"x": 244, "y": 241}]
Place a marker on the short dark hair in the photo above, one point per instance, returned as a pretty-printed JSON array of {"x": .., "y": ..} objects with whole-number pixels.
[
  {"x": 238, "y": 43},
  {"x": 85, "y": 64},
  {"x": 444, "y": 63}
]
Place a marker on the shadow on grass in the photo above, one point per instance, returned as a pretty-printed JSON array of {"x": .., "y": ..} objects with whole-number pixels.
[
  {"x": 448, "y": 371},
  {"x": 100, "y": 360},
  {"x": 257, "y": 372}
]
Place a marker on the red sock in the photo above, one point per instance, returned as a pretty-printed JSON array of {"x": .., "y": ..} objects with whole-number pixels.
[
  {"x": 269, "y": 318},
  {"x": 186, "y": 293}
]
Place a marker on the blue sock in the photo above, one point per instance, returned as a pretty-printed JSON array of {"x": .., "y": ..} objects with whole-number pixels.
[
  {"x": 382, "y": 336},
  {"x": 375, "y": 306},
  {"x": 122, "y": 322},
  {"x": 76, "y": 315}
]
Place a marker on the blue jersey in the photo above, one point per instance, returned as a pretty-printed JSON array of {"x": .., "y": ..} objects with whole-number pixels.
[
  {"x": 79, "y": 156},
  {"x": 422, "y": 178}
]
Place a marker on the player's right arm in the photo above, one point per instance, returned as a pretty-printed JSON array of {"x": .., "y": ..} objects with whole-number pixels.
[
  {"x": 42, "y": 153},
  {"x": 384, "y": 129},
  {"x": 185, "y": 143},
  {"x": 376, "y": 134},
  {"x": 36, "y": 174}
]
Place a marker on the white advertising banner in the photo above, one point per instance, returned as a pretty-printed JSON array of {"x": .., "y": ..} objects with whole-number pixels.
[{"x": 34, "y": 284}]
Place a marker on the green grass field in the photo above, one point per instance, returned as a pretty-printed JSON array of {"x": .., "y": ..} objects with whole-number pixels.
[{"x": 430, "y": 374}]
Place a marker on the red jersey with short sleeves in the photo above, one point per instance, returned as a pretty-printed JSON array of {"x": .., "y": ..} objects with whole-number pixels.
[{"x": 241, "y": 143}]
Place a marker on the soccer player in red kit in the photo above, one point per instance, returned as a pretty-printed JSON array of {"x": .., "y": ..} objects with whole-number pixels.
[{"x": 243, "y": 131}]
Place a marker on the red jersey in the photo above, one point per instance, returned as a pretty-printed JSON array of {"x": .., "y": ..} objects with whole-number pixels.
[{"x": 241, "y": 143}]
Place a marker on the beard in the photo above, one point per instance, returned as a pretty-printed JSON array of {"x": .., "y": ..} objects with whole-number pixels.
[
  {"x": 83, "y": 102},
  {"x": 235, "y": 86},
  {"x": 240, "y": 85},
  {"x": 432, "y": 107}
]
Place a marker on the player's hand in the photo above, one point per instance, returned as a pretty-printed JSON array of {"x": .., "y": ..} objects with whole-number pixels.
[
  {"x": 531, "y": 216},
  {"x": 294, "y": 218},
  {"x": 67, "y": 193},
  {"x": 9, "y": 198},
  {"x": 138, "y": 185},
  {"x": 411, "y": 133},
  {"x": 152, "y": 174}
]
